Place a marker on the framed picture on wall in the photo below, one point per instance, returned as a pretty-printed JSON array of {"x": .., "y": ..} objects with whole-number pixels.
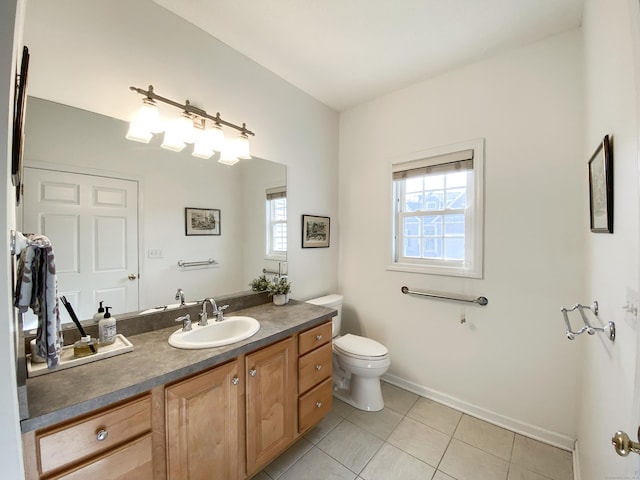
[
  {"x": 202, "y": 221},
  {"x": 315, "y": 231},
  {"x": 601, "y": 188}
]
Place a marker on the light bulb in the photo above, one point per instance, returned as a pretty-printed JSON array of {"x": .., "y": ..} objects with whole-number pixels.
[
  {"x": 228, "y": 155},
  {"x": 173, "y": 137},
  {"x": 138, "y": 134},
  {"x": 216, "y": 137},
  {"x": 186, "y": 128},
  {"x": 148, "y": 116},
  {"x": 242, "y": 147}
]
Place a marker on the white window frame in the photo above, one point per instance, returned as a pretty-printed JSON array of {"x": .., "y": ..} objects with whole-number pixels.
[
  {"x": 472, "y": 267},
  {"x": 273, "y": 194}
]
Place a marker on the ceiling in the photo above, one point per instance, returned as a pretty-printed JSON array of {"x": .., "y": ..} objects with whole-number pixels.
[{"x": 345, "y": 52}]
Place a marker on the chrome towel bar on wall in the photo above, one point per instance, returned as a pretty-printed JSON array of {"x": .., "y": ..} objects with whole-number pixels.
[
  {"x": 456, "y": 298},
  {"x": 590, "y": 329},
  {"x": 183, "y": 264}
]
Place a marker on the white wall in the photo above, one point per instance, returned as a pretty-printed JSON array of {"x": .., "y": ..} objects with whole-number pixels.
[
  {"x": 612, "y": 260},
  {"x": 511, "y": 357},
  {"x": 87, "y": 54},
  {"x": 11, "y": 14}
]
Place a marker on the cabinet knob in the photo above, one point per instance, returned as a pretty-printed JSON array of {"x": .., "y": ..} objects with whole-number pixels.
[
  {"x": 318, "y": 367},
  {"x": 318, "y": 337},
  {"x": 235, "y": 380},
  {"x": 318, "y": 404},
  {"x": 253, "y": 372},
  {"x": 101, "y": 435}
]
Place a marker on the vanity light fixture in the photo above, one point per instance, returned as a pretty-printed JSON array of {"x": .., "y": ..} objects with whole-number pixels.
[{"x": 194, "y": 126}]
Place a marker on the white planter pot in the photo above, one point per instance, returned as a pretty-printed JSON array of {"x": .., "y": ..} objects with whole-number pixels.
[{"x": 280, "y": 299}]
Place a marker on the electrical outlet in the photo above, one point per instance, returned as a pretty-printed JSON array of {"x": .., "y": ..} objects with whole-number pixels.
[{"x": 155, "y": 253}]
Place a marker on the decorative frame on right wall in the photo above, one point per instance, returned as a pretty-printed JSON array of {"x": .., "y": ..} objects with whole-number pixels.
[
  {"x": 601, "y": 188},
  {"x": 315, "y": 231}
]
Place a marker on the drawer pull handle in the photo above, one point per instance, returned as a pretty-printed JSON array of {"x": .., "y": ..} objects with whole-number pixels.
[
  {"x": 318, "y": 367},
  {"x": 318, "y": 337},
  {"x": 102, "y": 435},
  {"x": 235, "y": 380},
  {"x": 318, "y": 404},
  {"x": 253, "y": 372}
]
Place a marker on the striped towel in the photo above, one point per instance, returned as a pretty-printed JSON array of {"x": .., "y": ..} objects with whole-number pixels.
[{"x": 36, "y": 287}]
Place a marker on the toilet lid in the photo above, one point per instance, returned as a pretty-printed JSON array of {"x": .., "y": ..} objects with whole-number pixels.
[{"x": 360, "y": 346}]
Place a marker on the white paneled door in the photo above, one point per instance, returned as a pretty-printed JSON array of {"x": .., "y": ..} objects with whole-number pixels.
[{"x": 92, "y": 222}]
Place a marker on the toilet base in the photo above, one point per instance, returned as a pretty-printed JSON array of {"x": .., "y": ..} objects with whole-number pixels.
[{"x": 365, "y": 394}]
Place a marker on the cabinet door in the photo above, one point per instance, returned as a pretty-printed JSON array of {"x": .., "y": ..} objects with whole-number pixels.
[
  {"x": 271, "y": 393},
  {"x": 202, "y": 425}
]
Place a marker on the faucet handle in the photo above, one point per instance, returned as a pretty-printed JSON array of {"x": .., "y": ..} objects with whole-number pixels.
[
  {"x": 219, "y": 313},
  {"x": 186, "y": 322}
]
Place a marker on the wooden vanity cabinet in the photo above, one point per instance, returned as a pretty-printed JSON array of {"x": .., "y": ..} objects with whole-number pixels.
[
  {"x": 114, "y": 443},
  {"x": 271, "y": 393},
  {"x": 315, "y": 375},
  {"x": 203, "y": 423}
]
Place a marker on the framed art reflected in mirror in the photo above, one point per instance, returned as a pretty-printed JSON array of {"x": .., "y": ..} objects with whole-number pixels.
[
  {"x": 601, "y": 188},
  {"x": 18, "y": 124}
]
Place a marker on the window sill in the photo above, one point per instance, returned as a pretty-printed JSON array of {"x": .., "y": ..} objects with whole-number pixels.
[{"x": 435, "y": 270}]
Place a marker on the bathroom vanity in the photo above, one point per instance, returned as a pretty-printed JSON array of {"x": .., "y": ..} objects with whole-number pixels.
[{"x": 160, "y": 412}]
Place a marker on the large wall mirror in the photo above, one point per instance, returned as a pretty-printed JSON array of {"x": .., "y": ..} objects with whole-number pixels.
[{"x": 95, "y": 194}]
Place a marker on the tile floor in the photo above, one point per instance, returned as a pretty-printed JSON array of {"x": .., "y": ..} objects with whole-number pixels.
[{"x": 415, "y": 438}]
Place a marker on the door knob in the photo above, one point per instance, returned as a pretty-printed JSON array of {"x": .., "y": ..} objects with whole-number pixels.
[
  {"x": 132, "y": 276},
  {"x": 624, "y": 445}
]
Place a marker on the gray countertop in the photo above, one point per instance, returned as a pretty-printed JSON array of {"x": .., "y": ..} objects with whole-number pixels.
[{"x": 64, "y": 394}]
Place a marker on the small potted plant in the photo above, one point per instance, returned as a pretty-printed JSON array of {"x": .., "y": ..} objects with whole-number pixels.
[
  {"x": 259, "y": 284},
  {"x": 279, "y": 289}
]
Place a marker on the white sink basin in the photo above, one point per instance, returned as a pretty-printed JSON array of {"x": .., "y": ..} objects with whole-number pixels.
[{"x": 215, "y": 334}]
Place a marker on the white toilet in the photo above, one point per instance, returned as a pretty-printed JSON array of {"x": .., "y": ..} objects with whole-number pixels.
[{"x": 358, "y": 363}]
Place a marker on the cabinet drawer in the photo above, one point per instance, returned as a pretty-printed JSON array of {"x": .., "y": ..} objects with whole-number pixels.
[
  {"x": 314, "y": 367},
  {"x": 314, "y": 405},
  {"x": 314, "y": 338},
  {"x": 62, "y": 446},
  {"x": 133, "y": 460}
]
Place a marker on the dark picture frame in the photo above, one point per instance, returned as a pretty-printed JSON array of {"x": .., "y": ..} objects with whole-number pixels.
[
  {"x": 316, "y": 231},
  {"x": 601, "y": 188},
  {"x": 18, "y": 123},
  {"x": 201, "y": 221}
]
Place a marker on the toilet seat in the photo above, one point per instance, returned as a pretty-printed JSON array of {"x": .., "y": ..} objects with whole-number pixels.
[{"x": 355, "y": 346}]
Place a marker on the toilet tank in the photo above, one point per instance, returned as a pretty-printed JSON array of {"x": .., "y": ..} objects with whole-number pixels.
[{"x": 331, "y": 301}]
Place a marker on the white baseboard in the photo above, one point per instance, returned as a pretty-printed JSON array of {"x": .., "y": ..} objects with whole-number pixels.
[
  {"x": 537, "y": 433},
  {"x": 576, "y": 463}
]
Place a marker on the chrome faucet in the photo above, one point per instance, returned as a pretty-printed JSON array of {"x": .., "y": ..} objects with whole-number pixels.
[
  {"x": 217, "y": 312},
  {"x": 180, "y": 296},
  {"x": 186, "y": 322},
  {"x": 203, "y": 313}
]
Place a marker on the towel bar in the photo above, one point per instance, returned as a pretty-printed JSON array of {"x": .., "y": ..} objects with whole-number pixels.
[
  {"x": 457, "y": 298},
  {"x": 183, "y": 264}
]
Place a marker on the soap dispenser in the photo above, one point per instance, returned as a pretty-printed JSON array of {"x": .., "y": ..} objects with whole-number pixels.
[
  {"x": 100, "y": 314},
  {"x": 107, "y": 328}
]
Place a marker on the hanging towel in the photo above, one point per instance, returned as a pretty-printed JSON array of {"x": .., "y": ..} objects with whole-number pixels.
[{"x": 36, "y": 287}]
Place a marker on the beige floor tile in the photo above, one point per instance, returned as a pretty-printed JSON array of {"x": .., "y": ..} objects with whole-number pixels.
[
  {"x": 541, "y": 458},
  {"x": 328, "y": 423},
  {"x": 421, "y": 441},
  {"x": 294, "y": 453},
  {"x": 392, "y": 463},
  {"x": 398, "y": 399},
  {"x": 380, "y": 423},
  {"x": 435, "y": 415},
  {"x": 485, "y": 436},
  {"x": 341, "y": 408},
  {"x": 465, "y": 462},
  {"x": 317, "y": 465},
  {"x": 518, "y": 473},
  {"x": 350, "y": 445},
  {"x": 442, "y": 476},
  {"x": 261, "y": 476}
]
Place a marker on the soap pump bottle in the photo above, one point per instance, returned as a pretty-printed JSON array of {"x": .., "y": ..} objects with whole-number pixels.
[
  {"x": 100, "y": 314},
  {"x": 107, "y": 328}
]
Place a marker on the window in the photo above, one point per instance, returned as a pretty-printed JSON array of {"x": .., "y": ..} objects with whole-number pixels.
[
  {"x": 276, "y": 223},
  {"x": 438, "y": 210}
]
